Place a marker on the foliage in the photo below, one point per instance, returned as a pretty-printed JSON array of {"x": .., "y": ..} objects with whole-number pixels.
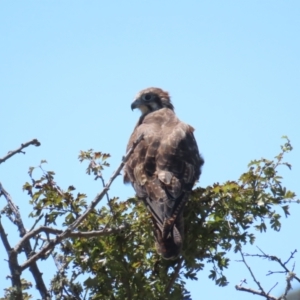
[{"x": 125, "y": 265}]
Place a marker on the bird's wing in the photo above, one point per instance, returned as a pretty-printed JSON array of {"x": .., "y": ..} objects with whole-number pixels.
[{"x": 163, "y": 169}]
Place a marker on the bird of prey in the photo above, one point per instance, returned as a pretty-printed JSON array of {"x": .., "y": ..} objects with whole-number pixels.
[{"x": 163, "y": 167}]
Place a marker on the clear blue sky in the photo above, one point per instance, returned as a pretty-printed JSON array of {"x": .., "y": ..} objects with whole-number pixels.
[{"x": 70, "y": 69}]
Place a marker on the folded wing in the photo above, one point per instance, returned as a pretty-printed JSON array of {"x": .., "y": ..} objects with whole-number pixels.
[{"x": 163, "y": 169}]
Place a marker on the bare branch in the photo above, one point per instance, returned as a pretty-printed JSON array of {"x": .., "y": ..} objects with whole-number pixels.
[
  {"x": 290, "y": 275},
  {"x": 13, "y": 208},
  {"x": 13, "y": 264},
  {"x": 92, "y": 205},
  {"x": 4, "y": 239},
  {"x": 36, "y": 221},
  {"x": 255, "y": 292},
  {"x": 34, "y": 142},
  {"x": 40, "y": 285},
  {"x": 99, "y": 175},
  {"x": 291, "y": 256},
  {"x": 261, "y": 291},
  {"x": 272, "y": 288},
  {"x": 283, "y": 265}
]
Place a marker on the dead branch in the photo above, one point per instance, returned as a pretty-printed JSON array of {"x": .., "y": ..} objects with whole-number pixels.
[
  {"x": 34, "y": 142},
  {"x": 76, "y": 223}
]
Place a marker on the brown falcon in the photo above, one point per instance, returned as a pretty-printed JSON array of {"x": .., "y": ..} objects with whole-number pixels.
[{"x": 163, "y": 167}]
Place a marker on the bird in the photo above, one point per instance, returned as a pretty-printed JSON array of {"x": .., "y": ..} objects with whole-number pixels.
[{"x": 163, "y": 167}]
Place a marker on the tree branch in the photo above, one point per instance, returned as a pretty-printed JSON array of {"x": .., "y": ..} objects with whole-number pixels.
[
  {"x": 290, "y": 275},
  {"x": 278, "y": 260},
  {"x": 34, "y": 142},
  {"x": 261, "y": 291},
  {"x": 92, "y": 205},
  {"x": 255, "y": 292},
  {"x": 99, "y": 175},
  {"x": 55, "y": 231},
  {"x": 13, "y": 265},
  {"x": 283, "y": 265},
  {"x": 174, "y": 276},
  {"x": 272, "y": 288},
  {"x": 4, "y": 238},
  {"x": 37, "y": 275}
]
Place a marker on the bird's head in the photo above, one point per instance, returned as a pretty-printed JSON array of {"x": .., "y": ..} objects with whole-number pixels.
[{"x": 151, "y": 99}]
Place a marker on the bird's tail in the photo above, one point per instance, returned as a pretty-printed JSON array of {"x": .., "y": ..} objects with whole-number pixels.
[
  {"x": 168, "y": 231},
  {"x": 169, "y": 244}
]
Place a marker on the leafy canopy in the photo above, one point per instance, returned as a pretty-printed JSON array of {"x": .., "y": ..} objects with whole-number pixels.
[{"x": 124, "y": 264}]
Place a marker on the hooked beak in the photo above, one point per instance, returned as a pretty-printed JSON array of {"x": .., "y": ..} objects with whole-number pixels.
[{"x": 136, "y": 104}]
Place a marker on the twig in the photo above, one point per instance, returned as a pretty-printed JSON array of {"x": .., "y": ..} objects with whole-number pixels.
[
  {"x": 272, "y": 288},
  {"x": 36, "y": 221},
  {"x": 99, "y": 175},
  {"x": 174, "y": 276},
  {"x": 283, "y": 265},
  {"x": 262, "y": 291},
  {"x": 76, "y": 223},
  {"x": 36, "y": 243},
  {"x": 255, "y": 292},
  {"x": 291, "y": 256},
  {"x": 34, "y": 142},
  {"x": 290, "y": 275}
]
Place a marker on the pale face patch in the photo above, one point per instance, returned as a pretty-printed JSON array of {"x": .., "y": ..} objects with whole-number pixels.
[
  {"x": 144, "y": 109},
  {"x": 151, "y": 106}
]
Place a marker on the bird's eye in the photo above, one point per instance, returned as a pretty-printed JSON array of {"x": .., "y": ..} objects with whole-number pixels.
[{"x": 147, "y": 97}]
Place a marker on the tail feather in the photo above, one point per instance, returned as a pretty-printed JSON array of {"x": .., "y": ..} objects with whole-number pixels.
[{"x": 168, "y": 232}]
